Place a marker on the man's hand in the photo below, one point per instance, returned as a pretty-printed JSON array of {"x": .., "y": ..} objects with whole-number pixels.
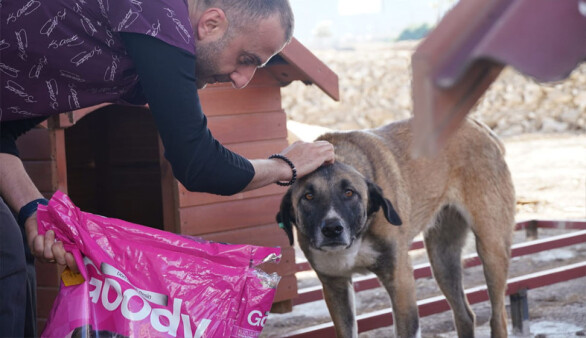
[
  {"x": 17, "y": 189},
  {"x": 46, "y": 248},
  {"x": 306, "y": 157}
]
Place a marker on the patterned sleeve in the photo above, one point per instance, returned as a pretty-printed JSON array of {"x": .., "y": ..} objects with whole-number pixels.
[{"x": 166, "y": 20}]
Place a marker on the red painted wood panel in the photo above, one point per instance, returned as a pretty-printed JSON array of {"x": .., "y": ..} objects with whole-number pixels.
[
  {"x": 43, "y": 174},
  {"x": 263, "y": 77},
  {"x": 259, "y": 149},
  {"x": 48, "y": 274},
  {"x": 35, "y": 145},
  {"x": 45, "y": 298},
  {"x": 287, "y": 264},
  {"x": 269, "y": 235},
  {"x": 188, "y": 199},
  {"x": 223, "y": 100},
  {"x": 249, "y": 127},
  {"x": 313, "y": 70},
  {"x": 287, "y": 288},
  {"x": 230, "y": 215},
  {"x": 262, "y": 235},
  {"x": 60, "y": 160}
]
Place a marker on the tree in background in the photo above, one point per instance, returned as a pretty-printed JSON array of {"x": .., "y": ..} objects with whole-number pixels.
[{"x": 415, "y": 32}]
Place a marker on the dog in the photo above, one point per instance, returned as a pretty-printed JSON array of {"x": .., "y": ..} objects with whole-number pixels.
[{"x": 361, "y": 214}]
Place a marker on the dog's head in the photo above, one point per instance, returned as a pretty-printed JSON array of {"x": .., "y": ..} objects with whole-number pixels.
[{"x": 332, "y": 207}]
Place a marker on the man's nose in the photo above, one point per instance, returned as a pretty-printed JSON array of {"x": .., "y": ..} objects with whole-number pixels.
[{"x": 242, "y": 76}]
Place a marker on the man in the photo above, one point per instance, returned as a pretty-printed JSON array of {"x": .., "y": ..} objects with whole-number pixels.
[{"x": 61, "y": 55}]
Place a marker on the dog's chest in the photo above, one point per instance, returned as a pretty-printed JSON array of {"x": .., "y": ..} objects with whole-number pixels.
[{"x": 356, "y": 259}]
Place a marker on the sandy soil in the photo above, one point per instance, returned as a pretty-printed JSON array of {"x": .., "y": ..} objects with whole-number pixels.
[{"x": 549, "y": 172}]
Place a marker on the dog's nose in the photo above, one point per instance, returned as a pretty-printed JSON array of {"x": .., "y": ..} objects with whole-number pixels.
[{"x": 332, "y": 228}]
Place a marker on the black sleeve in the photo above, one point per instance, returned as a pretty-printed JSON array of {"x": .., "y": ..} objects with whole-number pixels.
[
  {"x": 167, "y": 78},
  {"x": 11, "y": 130}
]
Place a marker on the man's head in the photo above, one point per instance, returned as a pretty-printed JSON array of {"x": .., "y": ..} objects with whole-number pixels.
[{"x": 235, "y": 37}]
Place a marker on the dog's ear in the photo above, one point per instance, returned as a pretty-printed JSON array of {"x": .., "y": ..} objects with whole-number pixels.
[
  {"x": 285, "y": 216},
  {"x": 377, "y": 200}
]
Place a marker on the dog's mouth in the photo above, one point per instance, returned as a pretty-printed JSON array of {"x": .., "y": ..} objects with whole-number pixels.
[{"x": 333, "y": 244}]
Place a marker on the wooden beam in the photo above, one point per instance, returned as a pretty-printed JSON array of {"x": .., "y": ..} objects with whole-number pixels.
[{"x": 434, "y": 305}]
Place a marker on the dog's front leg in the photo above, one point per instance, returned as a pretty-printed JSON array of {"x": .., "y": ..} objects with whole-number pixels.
[
  {"x": 339, "y": 296},
  {"x": 399, "y": 282}
]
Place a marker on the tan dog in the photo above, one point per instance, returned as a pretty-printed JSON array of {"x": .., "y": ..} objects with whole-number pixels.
[{"x": 342, "y": 214}]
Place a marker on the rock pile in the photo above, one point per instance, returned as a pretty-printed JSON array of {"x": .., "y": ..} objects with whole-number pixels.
[{"x": 375, "y": 88}]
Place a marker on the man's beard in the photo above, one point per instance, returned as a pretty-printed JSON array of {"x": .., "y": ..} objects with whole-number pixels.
[{"x": 206, "y": 63}]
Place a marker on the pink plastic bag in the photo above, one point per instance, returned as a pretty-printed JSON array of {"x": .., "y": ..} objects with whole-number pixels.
[{"x": 142, "y": 282}]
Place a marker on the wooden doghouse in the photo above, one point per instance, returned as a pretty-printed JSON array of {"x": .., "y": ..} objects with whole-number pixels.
[{"x": 109, "y": 160}]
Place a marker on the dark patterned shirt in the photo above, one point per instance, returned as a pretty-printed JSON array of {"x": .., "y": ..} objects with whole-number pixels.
[{"x": 62, "y": 55}]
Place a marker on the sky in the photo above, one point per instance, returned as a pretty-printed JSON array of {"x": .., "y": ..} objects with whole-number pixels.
[{"x": 361, "y": 20}]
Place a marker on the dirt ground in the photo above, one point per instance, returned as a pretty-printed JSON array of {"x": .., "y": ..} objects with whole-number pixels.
[{"x": 549, "y": 172}]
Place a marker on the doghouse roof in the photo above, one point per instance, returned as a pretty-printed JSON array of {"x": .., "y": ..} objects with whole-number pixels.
[{"x": 296, "y": 62}]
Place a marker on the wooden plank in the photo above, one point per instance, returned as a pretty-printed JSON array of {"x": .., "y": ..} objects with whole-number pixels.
[
  {"x": 286, "y": 265},
  {"x": 249, "y": 127},
  {"x": 555, "y": 224},
  {"x": 188, "y": 199},
  {"x": 287, "y": 288},
  {"x": 169, "y": 193},
  {"x": 220, "y": 100},
  {"x": 48, "y": 274},
  {"x": 285, "y": 306},
  {"x": 430, "y": 306},
  {"x": 59, "y": 151},
  {"x": 228, "y": 216},
  {"x": 259, "y": 149},
  {"x": 313, "y": 69},
  {"x": 35, "y": 145},
  {"x": 263, "y": 78},
  {"x": 263, "y": 235},
  {"x": 45, "y": 298},
  {"x": 42, "y": 174}
]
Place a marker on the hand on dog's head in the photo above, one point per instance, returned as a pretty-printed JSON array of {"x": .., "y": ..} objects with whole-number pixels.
[{"x": 376, "y": 200}]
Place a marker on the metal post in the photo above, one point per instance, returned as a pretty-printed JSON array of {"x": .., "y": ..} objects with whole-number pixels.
[
  {"x": 520, "y": 313},
  {"x": 531, "y": 231}
]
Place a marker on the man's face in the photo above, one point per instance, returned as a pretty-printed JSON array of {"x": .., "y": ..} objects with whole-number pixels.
[{"x": 235, "y": 57}]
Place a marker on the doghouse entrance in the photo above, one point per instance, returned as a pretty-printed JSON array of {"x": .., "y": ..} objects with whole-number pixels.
[{"x": 113, "y": 165}]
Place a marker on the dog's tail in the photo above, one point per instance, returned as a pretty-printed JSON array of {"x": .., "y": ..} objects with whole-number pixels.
[{"x": 492, "y": 135}]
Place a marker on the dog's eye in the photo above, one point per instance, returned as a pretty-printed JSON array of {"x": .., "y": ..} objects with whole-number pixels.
[
  {"x": 348, "y": 193},
  {"x": 308, "y": 196}
]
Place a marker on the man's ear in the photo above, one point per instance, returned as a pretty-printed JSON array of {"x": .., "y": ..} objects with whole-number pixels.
[
  {"x": 377, "y": 200},
  {"x": 285, "y": 216},
  {"x": 212, "y": 24}
]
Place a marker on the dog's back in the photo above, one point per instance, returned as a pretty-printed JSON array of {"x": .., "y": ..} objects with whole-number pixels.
[{"x": 471, "y": 161}]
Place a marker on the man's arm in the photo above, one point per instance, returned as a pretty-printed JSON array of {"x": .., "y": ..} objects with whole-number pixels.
[
  {"x": 199, "y": 161},
  {"x": 17, "y": 189}
]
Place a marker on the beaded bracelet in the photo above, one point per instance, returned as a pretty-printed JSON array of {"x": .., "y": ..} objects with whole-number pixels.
[
  {"x": 288, "y": 161},
  {"x": 28, "y": 209}
]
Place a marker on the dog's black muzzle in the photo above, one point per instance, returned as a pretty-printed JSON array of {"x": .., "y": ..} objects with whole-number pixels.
[{"x": 332, "y": 228}]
